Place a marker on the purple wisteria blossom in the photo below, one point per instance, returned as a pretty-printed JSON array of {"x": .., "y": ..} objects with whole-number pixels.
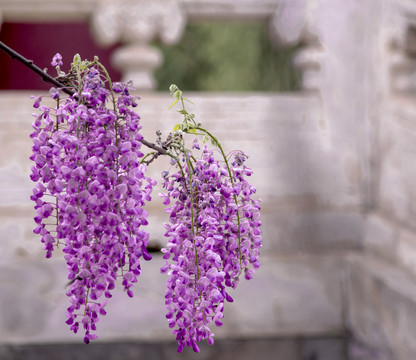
[
  {"x": 214, "y": 237},
  {"x": 57, "y": 60},
  {"x": 91, "y": 188},
  {"x": 90, "y": 191}
]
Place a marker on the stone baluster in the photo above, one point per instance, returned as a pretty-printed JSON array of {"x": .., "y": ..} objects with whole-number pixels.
[
  {"x": 401, "y": 43},
  {"x": 291, "y": 25},
  {"x": 136, "y": 23}
]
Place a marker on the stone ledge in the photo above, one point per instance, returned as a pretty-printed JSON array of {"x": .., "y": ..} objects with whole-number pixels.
[
  {"x": 390, "y": 240},
  {"x": 62, "y": 10},
  {"x": 328, "y": 348},
  {"x": 382, "y": 307},
  {"x": 292, "y": 296}
]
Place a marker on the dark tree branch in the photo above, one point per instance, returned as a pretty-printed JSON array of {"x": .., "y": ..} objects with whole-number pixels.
[
  {"x": 29, "y": 63},
  {"x": 46, "y": 77}
]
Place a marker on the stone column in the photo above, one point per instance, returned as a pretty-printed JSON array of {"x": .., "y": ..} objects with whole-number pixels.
[
  {"x": 400, "y": 40},
  {"x": 135, "y": 23},
  {"x": 292, "y": 24}
]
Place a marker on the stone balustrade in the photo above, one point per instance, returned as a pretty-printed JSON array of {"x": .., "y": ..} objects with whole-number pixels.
[
  {"x": 32, "y": 300},
  {"x": 136, "y": 23}
]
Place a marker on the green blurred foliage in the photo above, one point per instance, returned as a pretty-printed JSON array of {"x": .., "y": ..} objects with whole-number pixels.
[{"x": 227, "y": 57}]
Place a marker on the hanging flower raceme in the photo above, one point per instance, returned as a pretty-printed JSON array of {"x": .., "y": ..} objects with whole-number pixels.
[
  {"x": 91, "y": 188},
  {"x": 214, "y": 235},
  {"x": 90, "y": 193}
]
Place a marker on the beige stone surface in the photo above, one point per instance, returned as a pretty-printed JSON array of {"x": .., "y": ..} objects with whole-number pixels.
[
  {"x": 309, "y": 196},
  {"x": 382, "y": 307},
  {"x": 272, "y": 304},
  {"x": 334, "y": 165},
  {"x": 265, "y": 126},
  {"x": 381, "y": 237}
]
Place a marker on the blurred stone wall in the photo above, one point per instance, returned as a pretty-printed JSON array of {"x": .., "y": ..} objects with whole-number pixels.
[
  {"x": 333, "y": 164},
  {"x": 32, "y": 288}
]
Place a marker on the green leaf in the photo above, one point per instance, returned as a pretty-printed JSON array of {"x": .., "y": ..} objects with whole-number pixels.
[
  {"x": 177, "y": 127},
  {"x": 192, "y": 131},
  {"x": 174, "y": 103},
  {"x": 188, "y": 101}
]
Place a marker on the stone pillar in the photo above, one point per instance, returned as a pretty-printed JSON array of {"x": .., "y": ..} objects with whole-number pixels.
[
  {"x": 400, "y": 40},
  {"x": 135, "y": 23},
  {"x": 292, "y": 24}
]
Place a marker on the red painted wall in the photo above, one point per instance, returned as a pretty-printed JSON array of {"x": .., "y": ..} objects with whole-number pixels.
[{"x": 40, "y": 42}]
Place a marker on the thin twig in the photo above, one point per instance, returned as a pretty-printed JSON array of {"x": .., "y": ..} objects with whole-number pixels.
[
  {"x": 29, "y": 63},
  {"x": 159, "y": 149}
]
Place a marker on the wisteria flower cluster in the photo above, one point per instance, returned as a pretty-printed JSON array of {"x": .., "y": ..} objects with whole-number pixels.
[
  {"x": 214, "y": 235},
  {"x": 90, "y": 192},
  {"x": 91, "y": 188}
]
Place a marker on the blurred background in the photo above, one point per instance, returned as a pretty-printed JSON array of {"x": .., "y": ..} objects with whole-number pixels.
[
  {"x": 319, "y": 94},
  {"x": 228, "y": 50}
]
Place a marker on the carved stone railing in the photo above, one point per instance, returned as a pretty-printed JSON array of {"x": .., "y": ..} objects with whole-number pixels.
[
  {"x": 399, "y": 38},
  {"x": 136, "y": 23}
]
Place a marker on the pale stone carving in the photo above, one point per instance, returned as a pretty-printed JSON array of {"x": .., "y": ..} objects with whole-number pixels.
[
  {"x": 403, "y": 70},
  {"x": 292, "y": 24},
  {"x": 288, "y": 23},
  {"x": 137, "y": 63},
  {"x": 105, "y": 23},
  {"x": 309, "y": 61},
  {"x": 399, "y": 36},
  {"x": 136, "y": 23}
]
